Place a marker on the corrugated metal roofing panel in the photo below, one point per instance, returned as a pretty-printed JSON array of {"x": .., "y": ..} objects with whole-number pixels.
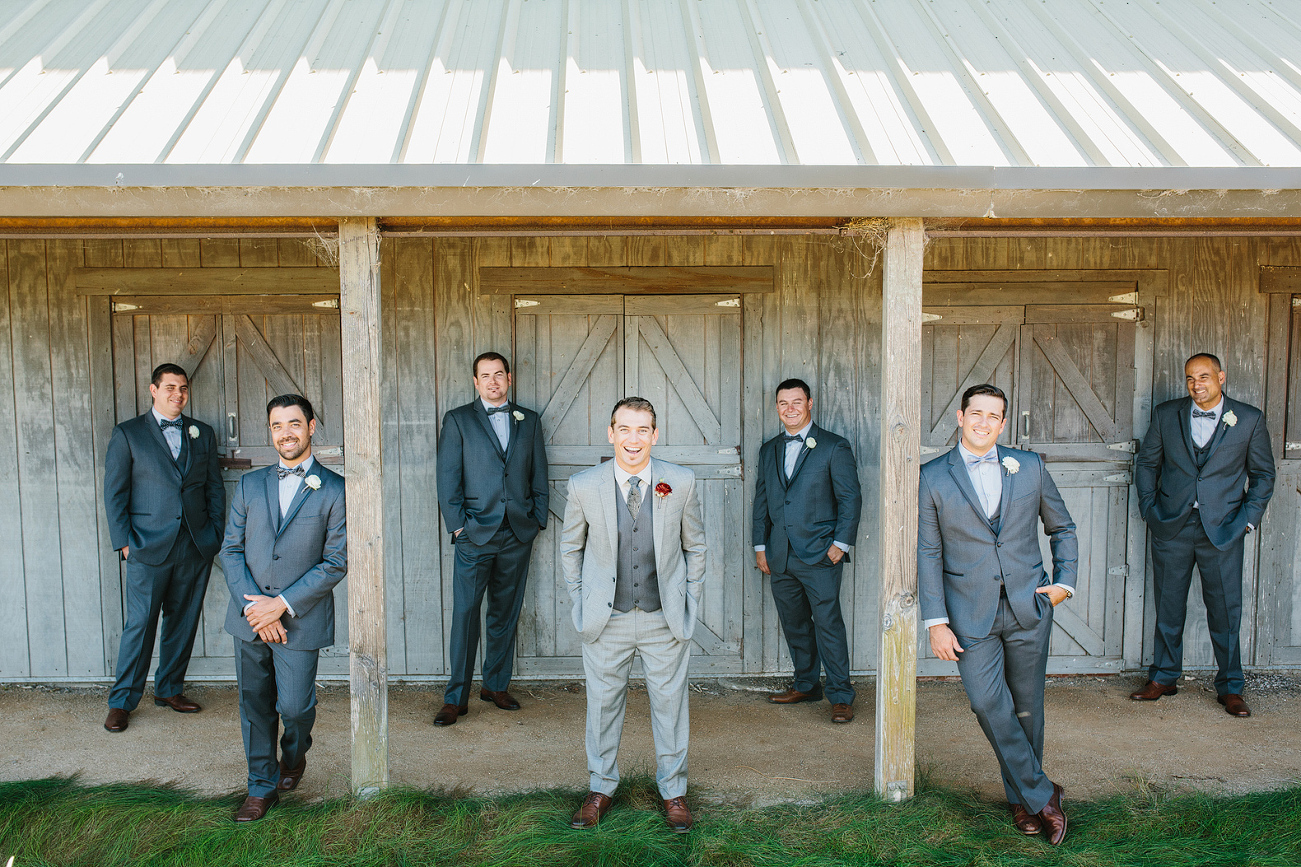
[{"x": 732, "y": 82}]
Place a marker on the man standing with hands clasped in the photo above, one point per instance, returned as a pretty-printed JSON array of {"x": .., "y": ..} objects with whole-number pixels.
[
  {"x": 985, "y": 598},
  {"x": 807, "y": 502},
  {"x": 164, "y": 500},
  {"x": 285, "y": 550},
  {"x": 1204, "y": 474},
  {"x": 492, "y": 487},
  {"x": 633, "y": 553}
]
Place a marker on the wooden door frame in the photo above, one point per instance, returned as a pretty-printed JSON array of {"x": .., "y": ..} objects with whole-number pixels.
[{"x": 1149, "y": 291}]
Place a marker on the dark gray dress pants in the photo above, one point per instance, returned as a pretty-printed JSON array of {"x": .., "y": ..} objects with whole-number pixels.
[
  {"x": 1003, "y": 673},
  {"x": 808, "y": 606},
  {"x": 276, "y": 686},
  {"x": 497, "y": 572},
  {"x": 175, "y": 589},
  {"x": 1172, "y": 575}
]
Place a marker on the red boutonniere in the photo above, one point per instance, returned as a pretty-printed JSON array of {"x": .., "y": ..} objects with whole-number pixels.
[{"x": 662, "y": 490}]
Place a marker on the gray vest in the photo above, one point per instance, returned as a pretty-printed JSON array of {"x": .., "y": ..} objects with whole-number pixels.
[{"x": 637, "y": 584}]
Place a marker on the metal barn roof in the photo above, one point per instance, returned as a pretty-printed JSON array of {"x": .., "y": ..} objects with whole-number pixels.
[{"x": 888, "y": 92}]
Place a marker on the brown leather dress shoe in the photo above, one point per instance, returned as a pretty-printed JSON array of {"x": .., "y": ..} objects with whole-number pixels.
[
  {"x": 841, "y": 713},
  {"x": 1025, "y": 822},
  {"x": 502, "y": 699},
  {"x": 794, "y": 696},
  {"x": 1053, "y": 819},
  {"x": 677, "y": 815},
  {"x": 289, "y": 777},
  {"x": 255, "y": 808},
  {"x": 595, "y": 805},
  {"x": 178, "y": 703},
  {"x": 447, "y": 716},
  {"x": 117, "y": 720},
  {"x": 1234, "y": 705},
  {"x": 1152, "y": 690}
]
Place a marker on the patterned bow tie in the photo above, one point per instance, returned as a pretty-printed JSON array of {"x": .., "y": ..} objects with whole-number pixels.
[
  {"x": 166, "y": 423},
  {"x": 493, "y": 410},
  {"x": 989, "y": 457},
  {"x": 792, "y": 438},
  {"x": 285, "y": 472},
  {"x": 1199, "y": 413}
]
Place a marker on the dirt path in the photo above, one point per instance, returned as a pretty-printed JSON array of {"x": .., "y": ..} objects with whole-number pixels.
[{"x": 743, "y": 750}]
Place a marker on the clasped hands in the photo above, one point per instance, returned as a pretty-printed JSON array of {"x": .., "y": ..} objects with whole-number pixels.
[
  {"x": 944, "y": 644},
  {"x": 264, "y": 616}
]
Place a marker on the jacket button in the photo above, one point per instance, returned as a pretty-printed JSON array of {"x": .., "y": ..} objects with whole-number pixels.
[
  {"x": 609, "y": 605},
  {"x": 503, "y": 499},
  {"x": 266, "y": 588},
  {"x": 275, "y": 556},
  {"x": 788, "y": 502}
]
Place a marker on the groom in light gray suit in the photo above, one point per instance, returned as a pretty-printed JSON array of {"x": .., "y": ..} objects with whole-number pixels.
[
  {"x": 633, "y": 553},
  {"x": 985, "y": 597},
  {"x": 285, "y": 550}
]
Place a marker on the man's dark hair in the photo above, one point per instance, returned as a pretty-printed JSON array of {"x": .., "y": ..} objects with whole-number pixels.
[
  {"x": 1213, "y": 359},
  {"x": 640, "y": 404},
  {"x": 165, "y": 368},
  {"x": 794, "y": 383},
  {"x": 285, "y": 400},
  {"x": 490, "y": 356},
  {"x": 986, "y": 388}
]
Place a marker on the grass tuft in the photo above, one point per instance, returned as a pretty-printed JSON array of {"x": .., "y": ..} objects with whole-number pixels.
[{"x": 58, "y": 821}]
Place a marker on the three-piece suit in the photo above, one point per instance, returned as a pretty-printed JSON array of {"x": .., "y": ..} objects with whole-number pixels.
[
  {"x": 292, "y": 545},
  {"x": 796, "y": 519},
  {"x": 495, "y": 493},
  {"x": 978, "y": 566},
  {"x": 635, "y": 581},
  {"x": 1198, "y": 499},
  {"x": 167, "y": 510}
]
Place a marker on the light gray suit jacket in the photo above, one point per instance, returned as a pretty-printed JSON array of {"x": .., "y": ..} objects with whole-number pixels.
[
  {"x": 961, "y": 560},
  {"x": 301, "y": 557},
  {"x": 589, "y": 547}
]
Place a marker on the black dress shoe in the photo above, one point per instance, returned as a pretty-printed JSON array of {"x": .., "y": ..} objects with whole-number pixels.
[
  {"x": 503, "y": 699},
  {"x": 447, "y": 716},
  {"x": 255, "y": 808},
  {"x": 289, "y": 777},
  {"x": 117, "y": 720}
]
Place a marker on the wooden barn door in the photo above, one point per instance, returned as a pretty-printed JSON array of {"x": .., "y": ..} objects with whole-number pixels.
[
  {"x": 1069, "y": 373},
  {"x": 240, "y": 352},
  {"x": 575, "y": 357}
]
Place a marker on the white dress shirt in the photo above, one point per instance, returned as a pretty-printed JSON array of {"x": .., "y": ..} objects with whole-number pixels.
[
  {"x": 171, "y": 434},
  {"x": 622, "y": 478},
  {"x": 793, "y": 449},
  {"x": 1204, "y": 428},
  {"x": 500, "y": 422}
]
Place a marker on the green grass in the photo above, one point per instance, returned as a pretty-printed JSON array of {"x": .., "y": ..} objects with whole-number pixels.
[{"x": 59, "y": 822}]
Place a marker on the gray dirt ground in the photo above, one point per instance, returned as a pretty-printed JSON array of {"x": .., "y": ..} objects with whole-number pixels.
[{"x": 744, "y": 751}]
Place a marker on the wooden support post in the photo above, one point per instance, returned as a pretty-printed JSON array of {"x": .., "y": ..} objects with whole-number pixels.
[
  {"x": 367, "y": 632},
  {"x": 896, "y": 659}
]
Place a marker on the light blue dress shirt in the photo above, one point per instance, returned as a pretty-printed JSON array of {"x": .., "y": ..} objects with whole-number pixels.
[
  {"x": 500, "y": 423},
  {"x": 171, "y": 434}
]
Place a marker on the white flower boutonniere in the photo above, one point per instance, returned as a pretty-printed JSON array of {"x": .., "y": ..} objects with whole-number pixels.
[
  {"x": 313, "y": 481},
  {"x": 1230, "y": 419},
  {"x": 194, "y": 431},
  {"x": 1011, "y": 465},
  {"x": 811, "y": 442},
  {"x": 517, "y": 415}
]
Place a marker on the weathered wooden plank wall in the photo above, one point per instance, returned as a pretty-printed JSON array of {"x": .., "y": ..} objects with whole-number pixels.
[{"x": 60, "y": 607}]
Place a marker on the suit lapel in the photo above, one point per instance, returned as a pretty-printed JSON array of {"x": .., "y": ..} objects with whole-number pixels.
[
  {"x": 803, "y": 454},
  {"x": 513, "y": 427},
  {"x": 187, "y": 451},
  {"x": 657, "y": 520},
  {"x": 607, "y": 490},
  {"x": 959, "y": 472},
  {"x": 1006, "y": 496},
  {"x": 779, "y": 453},
  {"x": 152, "y": 423},
  {"x": 1185, "y": 426},
  {"x": 487, "y": 427},
  {"x": 273, "y": 497}
]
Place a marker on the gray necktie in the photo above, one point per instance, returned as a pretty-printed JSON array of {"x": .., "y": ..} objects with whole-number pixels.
[{"x": 634, "y": 497}]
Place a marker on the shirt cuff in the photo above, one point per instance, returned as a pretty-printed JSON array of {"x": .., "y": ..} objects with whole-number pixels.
[
  {"x": 842, "y": 546},
  {"x": 1070, "y": 591},
  {"x": 760, "y": 548},
  {"x": 934, "y": 621},
  {"x": 288, "y": 607}
]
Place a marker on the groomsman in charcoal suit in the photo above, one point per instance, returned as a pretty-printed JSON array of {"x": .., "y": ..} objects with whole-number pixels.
[
  {"x": 492, "y": 486},
  {"x": 633, "y": 554},
  {"x": 807, "y": 502},
  {"x": 164, "y": 500},
  {"x": 1204, "y": 474},
  {"x": 285, "y": 550},
  {"x": 985, "y": 598}
]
